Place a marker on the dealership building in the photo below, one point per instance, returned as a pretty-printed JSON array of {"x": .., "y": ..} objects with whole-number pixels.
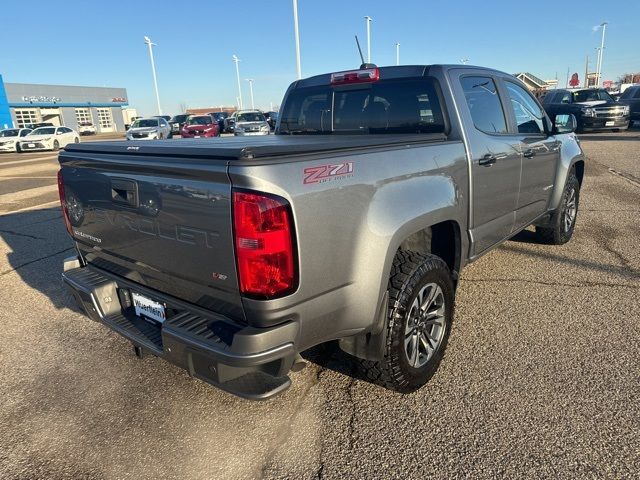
[{"x": 24, "y": 103}]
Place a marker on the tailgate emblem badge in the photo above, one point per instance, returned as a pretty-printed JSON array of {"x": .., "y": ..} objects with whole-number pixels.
[{"x": 133, "y": 148}]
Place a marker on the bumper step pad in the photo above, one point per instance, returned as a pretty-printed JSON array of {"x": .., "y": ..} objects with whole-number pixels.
[{"x": 210, "y": 348}]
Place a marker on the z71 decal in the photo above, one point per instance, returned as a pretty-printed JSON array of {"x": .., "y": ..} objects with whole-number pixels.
[{"x": 326, "y": 173}]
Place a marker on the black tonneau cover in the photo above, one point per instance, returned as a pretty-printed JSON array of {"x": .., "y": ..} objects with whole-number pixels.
[{"x": 247, "y": 148}]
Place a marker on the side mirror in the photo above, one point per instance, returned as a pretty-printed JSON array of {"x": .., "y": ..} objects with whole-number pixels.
[{"x": 564, "y": 123}]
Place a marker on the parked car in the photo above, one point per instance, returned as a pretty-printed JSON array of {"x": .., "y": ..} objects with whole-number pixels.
[
  {"x": 353, "y": 222},
  {"x": 250, "y": 122},
  {"x": 153, "y": 128},
  {"x": 593, "y": 108},
  {"x": 272, "y": 119},
  {"x": 49, "y": 138},
  {"x": 177, "y": 122},
  {"x": 10, "y": 139},
  {"x": 87, "y": 128},
  {"x": 229, "y": 123},
  {"x": 220, "y": 117},
  {"x": 200, "y": 126},
  {"x": 631, "y": 98}
]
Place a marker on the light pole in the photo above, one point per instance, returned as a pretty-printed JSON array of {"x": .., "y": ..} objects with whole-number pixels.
[
  {"x": 368, "y": 19},
  {"x": 397, "y": 54},
  {"x": 296, "y": 33},
  {"x": 597, "y": 79},
  {"x": 150, "y": 44},
  {"x": 604, "y": 28},
  {"x": 236, "y": 60},
  {"x": 250, "y": 80}
]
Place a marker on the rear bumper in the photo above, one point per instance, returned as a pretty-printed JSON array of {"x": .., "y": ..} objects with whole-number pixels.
[{"x": 250, "y": 362}]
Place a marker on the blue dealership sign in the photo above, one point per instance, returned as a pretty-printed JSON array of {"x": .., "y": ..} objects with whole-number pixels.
[{"x": 5, "y": 113}]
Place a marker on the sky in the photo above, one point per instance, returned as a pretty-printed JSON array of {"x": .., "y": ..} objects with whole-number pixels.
[{"x": 100, "y": 43}]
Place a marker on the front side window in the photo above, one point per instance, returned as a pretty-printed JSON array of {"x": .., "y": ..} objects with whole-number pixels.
[
  {"x": 529, "y": 116},
  {"x": 44, "y": 131},
  {"x": 9, "y": 133},
  {"x": 484, "y": 104},
  {"x": 391, "y": 106},
  {"x": 565, "y": 98}
]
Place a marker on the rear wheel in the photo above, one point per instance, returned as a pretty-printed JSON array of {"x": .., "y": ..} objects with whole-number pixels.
[
  {"x": 563, "y": 219},
  {"x": 421, "y": 297}
]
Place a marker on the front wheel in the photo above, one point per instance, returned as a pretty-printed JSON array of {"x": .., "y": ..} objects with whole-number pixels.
[
  {"x": 56, "y": 146},
  {"x": 76, "y": 140},
  {"x": 563, "y": 219},
  {"x": 421, "y": 297},
  {"x": 18, "y": 148}
]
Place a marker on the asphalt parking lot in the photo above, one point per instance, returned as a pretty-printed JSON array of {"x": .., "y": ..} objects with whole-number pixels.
[{"x": 541, "y": 378}]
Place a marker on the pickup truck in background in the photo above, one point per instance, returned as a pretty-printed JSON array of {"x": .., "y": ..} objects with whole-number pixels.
[
  {"x": 593, "y": 108},
  {"x": 229, "y": 257}
]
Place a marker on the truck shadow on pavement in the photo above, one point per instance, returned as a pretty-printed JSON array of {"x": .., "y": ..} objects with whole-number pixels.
[{"x": 34, "y": 244}]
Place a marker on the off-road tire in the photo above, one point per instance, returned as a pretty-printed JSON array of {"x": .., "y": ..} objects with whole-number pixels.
[
  {"x": 556, "y": 233},
  {"x": 409, "y": 273}
]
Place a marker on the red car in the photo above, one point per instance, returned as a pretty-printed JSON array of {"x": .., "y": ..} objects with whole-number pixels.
[{"x": 200, "y": 126}]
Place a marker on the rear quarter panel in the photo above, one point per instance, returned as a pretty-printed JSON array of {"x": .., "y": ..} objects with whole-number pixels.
[{"x": 349, "y": 225}]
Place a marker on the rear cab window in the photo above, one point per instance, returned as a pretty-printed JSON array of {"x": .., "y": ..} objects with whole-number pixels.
[
  {"x": 382, "y": 107},
  {"x": 484, "y": 104}
]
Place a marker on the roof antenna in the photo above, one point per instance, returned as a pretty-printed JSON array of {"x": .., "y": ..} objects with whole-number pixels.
[{"x": 363, "y": 65}]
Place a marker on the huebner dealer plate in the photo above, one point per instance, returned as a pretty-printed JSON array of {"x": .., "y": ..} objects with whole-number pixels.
[{"x": 146, "y": 307}]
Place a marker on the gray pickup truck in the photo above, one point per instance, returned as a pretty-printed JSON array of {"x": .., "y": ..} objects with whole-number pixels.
[{"x": 229, "y": 257}]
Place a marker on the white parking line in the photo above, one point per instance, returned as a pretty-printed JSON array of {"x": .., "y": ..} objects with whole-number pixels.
[
  {"x": 35, "y": 207},
  {"x": 30, "y": 160}
]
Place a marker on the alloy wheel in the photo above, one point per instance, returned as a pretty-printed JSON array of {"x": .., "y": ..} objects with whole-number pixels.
[{"x": 425, "y": 326}]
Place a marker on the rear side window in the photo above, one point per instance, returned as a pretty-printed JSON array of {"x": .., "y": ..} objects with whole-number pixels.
[
  {"x": 565, "y": 98},
  {"x": 484, "y": 104},
  {"x": 387, "y": 106},
  {"x": 529, "y": 116}
]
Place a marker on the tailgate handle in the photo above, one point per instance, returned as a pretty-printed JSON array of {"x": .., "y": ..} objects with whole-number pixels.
[{"x": 124, "y": 192}]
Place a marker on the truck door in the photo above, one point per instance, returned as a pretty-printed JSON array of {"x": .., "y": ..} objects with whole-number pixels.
[
  {"x": 540, "y": 153},
  {"x": 495, "y": 161}
]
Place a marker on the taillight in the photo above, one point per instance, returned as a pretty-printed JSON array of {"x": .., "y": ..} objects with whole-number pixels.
[
  {"x": 264, "y": 242},
  {"x": 63, "y": 202},
  {"x": 355, "y": 76}
]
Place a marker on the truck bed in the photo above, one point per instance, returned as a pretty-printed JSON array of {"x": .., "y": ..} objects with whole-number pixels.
[{"x": 248, "y": 148}]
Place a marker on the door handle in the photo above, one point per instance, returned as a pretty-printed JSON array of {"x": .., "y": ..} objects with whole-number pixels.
[
  {"x": 528, "y": 153},
  {"x": 487, "y": 160},
  {"x": 124, "y": 191}
]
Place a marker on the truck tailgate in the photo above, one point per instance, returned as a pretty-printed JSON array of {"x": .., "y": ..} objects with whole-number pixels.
[{"x": 160, "y": 221}]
